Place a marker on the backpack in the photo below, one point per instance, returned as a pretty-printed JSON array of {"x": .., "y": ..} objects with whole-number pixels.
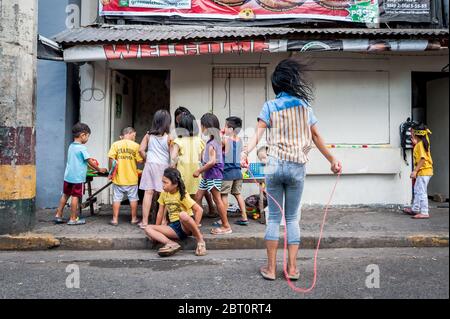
[{"x": 406, "y": 136}]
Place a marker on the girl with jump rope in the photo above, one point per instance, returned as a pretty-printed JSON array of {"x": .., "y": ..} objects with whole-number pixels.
[{"x": 292, "y": 132}]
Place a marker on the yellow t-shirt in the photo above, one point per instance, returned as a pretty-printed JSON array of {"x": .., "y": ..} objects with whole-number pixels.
[
  {"x": 189, "y": 157},
  {"x": 126, "y": 153},
  {"x": 419, "y": 153},
  {"x": 175, "y": 206}
]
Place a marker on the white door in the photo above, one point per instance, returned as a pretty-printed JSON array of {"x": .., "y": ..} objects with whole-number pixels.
[
  {"x": 240, "y": 91},
  {"x": 121, "y": 104}
]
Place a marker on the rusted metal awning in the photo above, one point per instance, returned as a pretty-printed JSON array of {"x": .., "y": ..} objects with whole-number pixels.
[
  {"x": 177, "y": 33},
  {"x": 144, "y": 41}
]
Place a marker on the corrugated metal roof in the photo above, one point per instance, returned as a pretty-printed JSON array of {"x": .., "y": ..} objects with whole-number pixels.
[{"x": 157, "y": 33}]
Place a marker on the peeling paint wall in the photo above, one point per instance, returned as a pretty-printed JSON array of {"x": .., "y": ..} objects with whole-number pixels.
[{"x": 18, "y": 29}]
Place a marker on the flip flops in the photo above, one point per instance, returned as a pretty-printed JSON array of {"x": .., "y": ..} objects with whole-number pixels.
[
  {"x": 409, "y": 211},
  {"x": 142, "y": 226},
  {"x": 217, "y": 223},
  {"x": 294, "y": 277},
  {"x": 420, "y": 216},
  {"x": 112, "y": 223},
  {"x": 241, "y": 222},
  {"x": 59, "y": 220},
  {"x": 201, "y": 249},
  {"x": 76, "y": 222},
  {"x": 221, "y": 231},
  {"x": 265, "y": 274},
  {"x": 169, "y": 249}
]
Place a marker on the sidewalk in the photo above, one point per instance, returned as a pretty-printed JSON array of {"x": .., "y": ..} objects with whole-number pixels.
[{"x": 345, "y": 228}]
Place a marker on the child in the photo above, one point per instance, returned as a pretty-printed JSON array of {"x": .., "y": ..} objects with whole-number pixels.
[
  {"x": 125, "y": 182},
  {"x": 212, "y": 170},
  {"x": 292, "y": 131},
  {"x": 189, "y": 129},
  {"x": 179, "y": 112},
  {"x": 157, "y": 143},
  {"x": 422, "y": 173},
  {"x": 186, "y": 152},
  {"x": 232, "y": 173},
  {"x": 75, "y": 175},
  {"x": 181, "y": 209}
]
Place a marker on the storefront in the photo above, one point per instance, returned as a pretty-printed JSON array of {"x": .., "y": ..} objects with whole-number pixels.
[{"x": 362, "y": 79}]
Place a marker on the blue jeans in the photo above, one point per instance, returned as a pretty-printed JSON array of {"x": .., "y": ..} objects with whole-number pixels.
[{"x": 284, "y": 180}]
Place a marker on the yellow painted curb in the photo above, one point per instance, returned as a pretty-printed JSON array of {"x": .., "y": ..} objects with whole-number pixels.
[
  {"x": 428, "y": 241},
  {"x": 28, "y": 241}
]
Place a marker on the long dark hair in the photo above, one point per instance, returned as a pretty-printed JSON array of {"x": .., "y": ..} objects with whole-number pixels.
[
  {"x": 212, "y": 125},
  {"x": 174, "y": 176},
  {"x": 187, "y": 126},
  {"x": 289, "y": 77},
  {"x": 424, "y": 139},
  {"x": 161, "y": 123},
  {"x": 180, "y": 110}
]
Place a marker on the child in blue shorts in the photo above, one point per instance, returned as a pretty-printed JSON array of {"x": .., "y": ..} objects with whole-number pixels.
[{"x": 181, "y": 209}]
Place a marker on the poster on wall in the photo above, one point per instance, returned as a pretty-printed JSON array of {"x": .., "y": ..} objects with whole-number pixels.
[
  {"x": 405, "y": 10},
  {"x": 363, "y": 11}
]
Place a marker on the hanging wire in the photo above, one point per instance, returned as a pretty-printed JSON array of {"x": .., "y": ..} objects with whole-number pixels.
[
  {"x": 92, "y": 90},
  {"x": 227, "y": 89}
]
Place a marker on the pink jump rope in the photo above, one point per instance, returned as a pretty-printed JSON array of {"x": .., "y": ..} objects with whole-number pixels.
[{"x": 316, "y": 253}]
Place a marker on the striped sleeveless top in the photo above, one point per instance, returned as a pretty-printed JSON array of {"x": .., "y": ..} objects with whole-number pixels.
[{"x": 289, "y": 120}]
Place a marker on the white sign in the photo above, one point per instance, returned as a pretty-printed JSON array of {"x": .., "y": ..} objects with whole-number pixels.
[{"x": 161, "y": 4}]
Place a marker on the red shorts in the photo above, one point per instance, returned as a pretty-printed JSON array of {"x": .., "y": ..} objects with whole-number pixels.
[{"x": 75, "y": 190}]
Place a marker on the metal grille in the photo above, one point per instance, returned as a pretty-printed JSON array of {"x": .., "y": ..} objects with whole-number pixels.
[{"x": 253, "y": 72}]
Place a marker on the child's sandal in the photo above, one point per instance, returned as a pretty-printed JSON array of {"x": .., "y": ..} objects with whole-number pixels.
[{"x": 201, "y": 249}]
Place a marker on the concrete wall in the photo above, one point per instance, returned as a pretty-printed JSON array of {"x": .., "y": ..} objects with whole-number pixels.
[
  {"x": 375, "y": 176},
  {"x": 55, "y": 109},
  {"x": 51, "y": 110},
  {"x": 18, "y": 48},
  {"x": 438, "y": 121}
]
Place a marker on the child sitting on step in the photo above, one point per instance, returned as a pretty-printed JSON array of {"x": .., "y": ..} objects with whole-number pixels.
[{"x": 181, "y": 208}]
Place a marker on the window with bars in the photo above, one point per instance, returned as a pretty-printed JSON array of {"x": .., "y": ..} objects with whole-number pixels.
[
  {"x": 239, "y": 91},
  {"x": 252, "y": 72}
]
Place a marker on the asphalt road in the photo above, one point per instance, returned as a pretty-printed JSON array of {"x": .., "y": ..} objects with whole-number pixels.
[{"x": 342, "y": 273}]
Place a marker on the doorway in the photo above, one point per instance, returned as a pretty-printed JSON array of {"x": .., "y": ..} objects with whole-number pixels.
[
  {"x": 136, "y": 96},
  {"x": 430, "y": 105}
]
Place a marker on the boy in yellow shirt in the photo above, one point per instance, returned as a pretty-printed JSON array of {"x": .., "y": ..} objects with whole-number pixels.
[{"x": 125, "y": 182}]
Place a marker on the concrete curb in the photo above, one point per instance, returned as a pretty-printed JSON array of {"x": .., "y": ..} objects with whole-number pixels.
[
  {"x": 28, "y": 241},
  {"x": 255, "y": 241}
]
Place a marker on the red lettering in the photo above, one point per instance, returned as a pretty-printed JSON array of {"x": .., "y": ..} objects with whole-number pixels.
[
  {"x": 163, "y": 50},
  {"x": 260, "y": 46},
  {"x": 231, "y": 47},
  {"x": 204, "y": 48},
  {"x": 237, "y": 47},
  {"x": 179, "y": 49},
  {"x": 191, "y": 49},
  {"x": 121, "y": 51},
  {"x": 215, "y": 48},
  {"x": 150, "y": 51}
]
